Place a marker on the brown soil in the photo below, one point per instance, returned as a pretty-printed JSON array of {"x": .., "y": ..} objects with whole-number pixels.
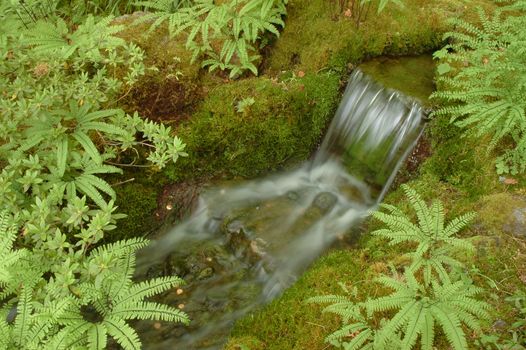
[
  {"x": 169, "y": 100},
  {"x": 178, "y": 200},
  {"x": 420, "y": 153}
]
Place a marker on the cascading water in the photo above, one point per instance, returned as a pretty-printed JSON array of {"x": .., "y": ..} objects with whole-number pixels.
[{"x": 246, "y": 243}]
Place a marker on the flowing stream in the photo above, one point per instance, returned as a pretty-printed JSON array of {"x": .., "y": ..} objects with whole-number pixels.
[{"x": 246, "y": 243}]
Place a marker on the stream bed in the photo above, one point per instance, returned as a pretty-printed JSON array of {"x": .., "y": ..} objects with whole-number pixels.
[{"x": 246, "y": 243}]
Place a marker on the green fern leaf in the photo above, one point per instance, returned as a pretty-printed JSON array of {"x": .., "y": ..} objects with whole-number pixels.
[
  {"x": 123, "y": 334},
  {"x": 97, "y": 337},
  {"x": 88, "y": 146},
  {"x": 62, "y": 155}
]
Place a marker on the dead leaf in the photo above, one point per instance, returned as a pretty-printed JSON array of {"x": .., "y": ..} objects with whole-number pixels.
[
  {"x": 301, "y": 74},
  {"x": 348, "y": 13},
  {"x": 510, "y": 181}
]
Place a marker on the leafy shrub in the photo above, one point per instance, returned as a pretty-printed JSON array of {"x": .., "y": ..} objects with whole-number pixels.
[
  {"x": 227, "y": 34},
  {"x": 59, "y": 138},
  {"x": 483, "y": 80},
  {"x": 429, "y": 293}
]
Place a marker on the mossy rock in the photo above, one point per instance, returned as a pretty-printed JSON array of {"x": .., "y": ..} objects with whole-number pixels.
[
  {"x": 461, "y": 159},
  {"x": 171, "y": 86},
  {"x": 318, "y": 35},
  {"x": 283, "y": 125},
  {"x": 503, "y": 212}
]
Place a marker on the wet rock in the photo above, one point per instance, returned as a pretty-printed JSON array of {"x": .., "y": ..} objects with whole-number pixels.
[
  {"x": 325, "y": 201},
  {"x": 206, "y": 273},
  {"x": 234, "y": 227},
  {"x": 293, "y": 196},
  {"x": 257, "y": 247}
]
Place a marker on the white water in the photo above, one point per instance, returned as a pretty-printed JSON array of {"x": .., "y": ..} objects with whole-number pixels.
[{"x": 288, "y": 219}]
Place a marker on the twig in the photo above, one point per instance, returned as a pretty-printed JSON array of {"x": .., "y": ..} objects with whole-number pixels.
[
  {"x": 316, "y": 324},
  {"x": 128, "y": 165},
  {"x": 123, "y": 182}
]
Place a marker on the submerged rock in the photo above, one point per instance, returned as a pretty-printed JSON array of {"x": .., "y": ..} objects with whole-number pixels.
[{"x": 325, "y": 201}]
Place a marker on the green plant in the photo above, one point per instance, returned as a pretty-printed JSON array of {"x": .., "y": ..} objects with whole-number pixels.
[
  {"x": 36, "y": 313},
  {"x": 226, "y": 34},
  {"x": 515, "y": 336},
  {"x": 244, "y": 105},
  {"x": 59, "y": 138},
  {"x": 483, "y": 77},
  {"x": 428, "y": 294},
  {"x": 435, "y": 241}
]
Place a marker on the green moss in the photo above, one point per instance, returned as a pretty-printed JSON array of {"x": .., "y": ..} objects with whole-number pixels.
[
  {"x": 289, "y": 322},
  {"x": 461, "y": 160},
  {"x": 245, "y": 343},
  {"x": 283, "y": 126},
  {"x": 496, "y": 210},
  {"x": 139, "y": 202},
  {"x": 317, "y": 36}
]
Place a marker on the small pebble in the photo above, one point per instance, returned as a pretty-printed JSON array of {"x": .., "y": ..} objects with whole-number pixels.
[
  {"x": 179, "y": 292},
  {"x": 500, "y": 324},
  {"x": 180, "y": 306},
  {"x": 157, "y": 325},
  {"x": 169, "y": 207}
]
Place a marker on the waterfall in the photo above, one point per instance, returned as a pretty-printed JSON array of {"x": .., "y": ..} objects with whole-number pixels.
[
  {"x": 246, "y": 243},
  {"x": 373, "y": 131}
]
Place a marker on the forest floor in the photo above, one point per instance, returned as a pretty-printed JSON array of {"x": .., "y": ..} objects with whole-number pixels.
[{"x": 301, "y": 78}]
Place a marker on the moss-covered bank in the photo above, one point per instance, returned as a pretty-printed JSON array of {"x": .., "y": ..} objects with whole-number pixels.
[
  {"x": 296, "y": 94},
  {"x": 283, "y": 124},
  {"x": 460, "y": 172}
]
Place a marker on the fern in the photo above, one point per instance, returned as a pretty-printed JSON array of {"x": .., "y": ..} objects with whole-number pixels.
[
  {"x": 446, "y": 304},
  {"x": 236, "y": 25},
  {"x": 112, "y": 299},
  {"x": 359, "y": 331},
  {"x": 90, "y": 39},
  {"x": 420, "y": 300},
  {"x": 434, "y": 239},
  {"x": 483, "y": 78},
  {"x": 8, "y": 257},
  {"x": 102, "y": 302}
]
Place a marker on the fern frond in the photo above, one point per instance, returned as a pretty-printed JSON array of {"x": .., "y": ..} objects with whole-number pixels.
[
  {"x": 149, "y": 288},
  {"x": 149, "y": 311},
  {"x": 452, "y": 327},
  {"x": 123, "y": 334},
  {"x": 97, "y": 337},
  {"x": 23, "y": 315}
]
